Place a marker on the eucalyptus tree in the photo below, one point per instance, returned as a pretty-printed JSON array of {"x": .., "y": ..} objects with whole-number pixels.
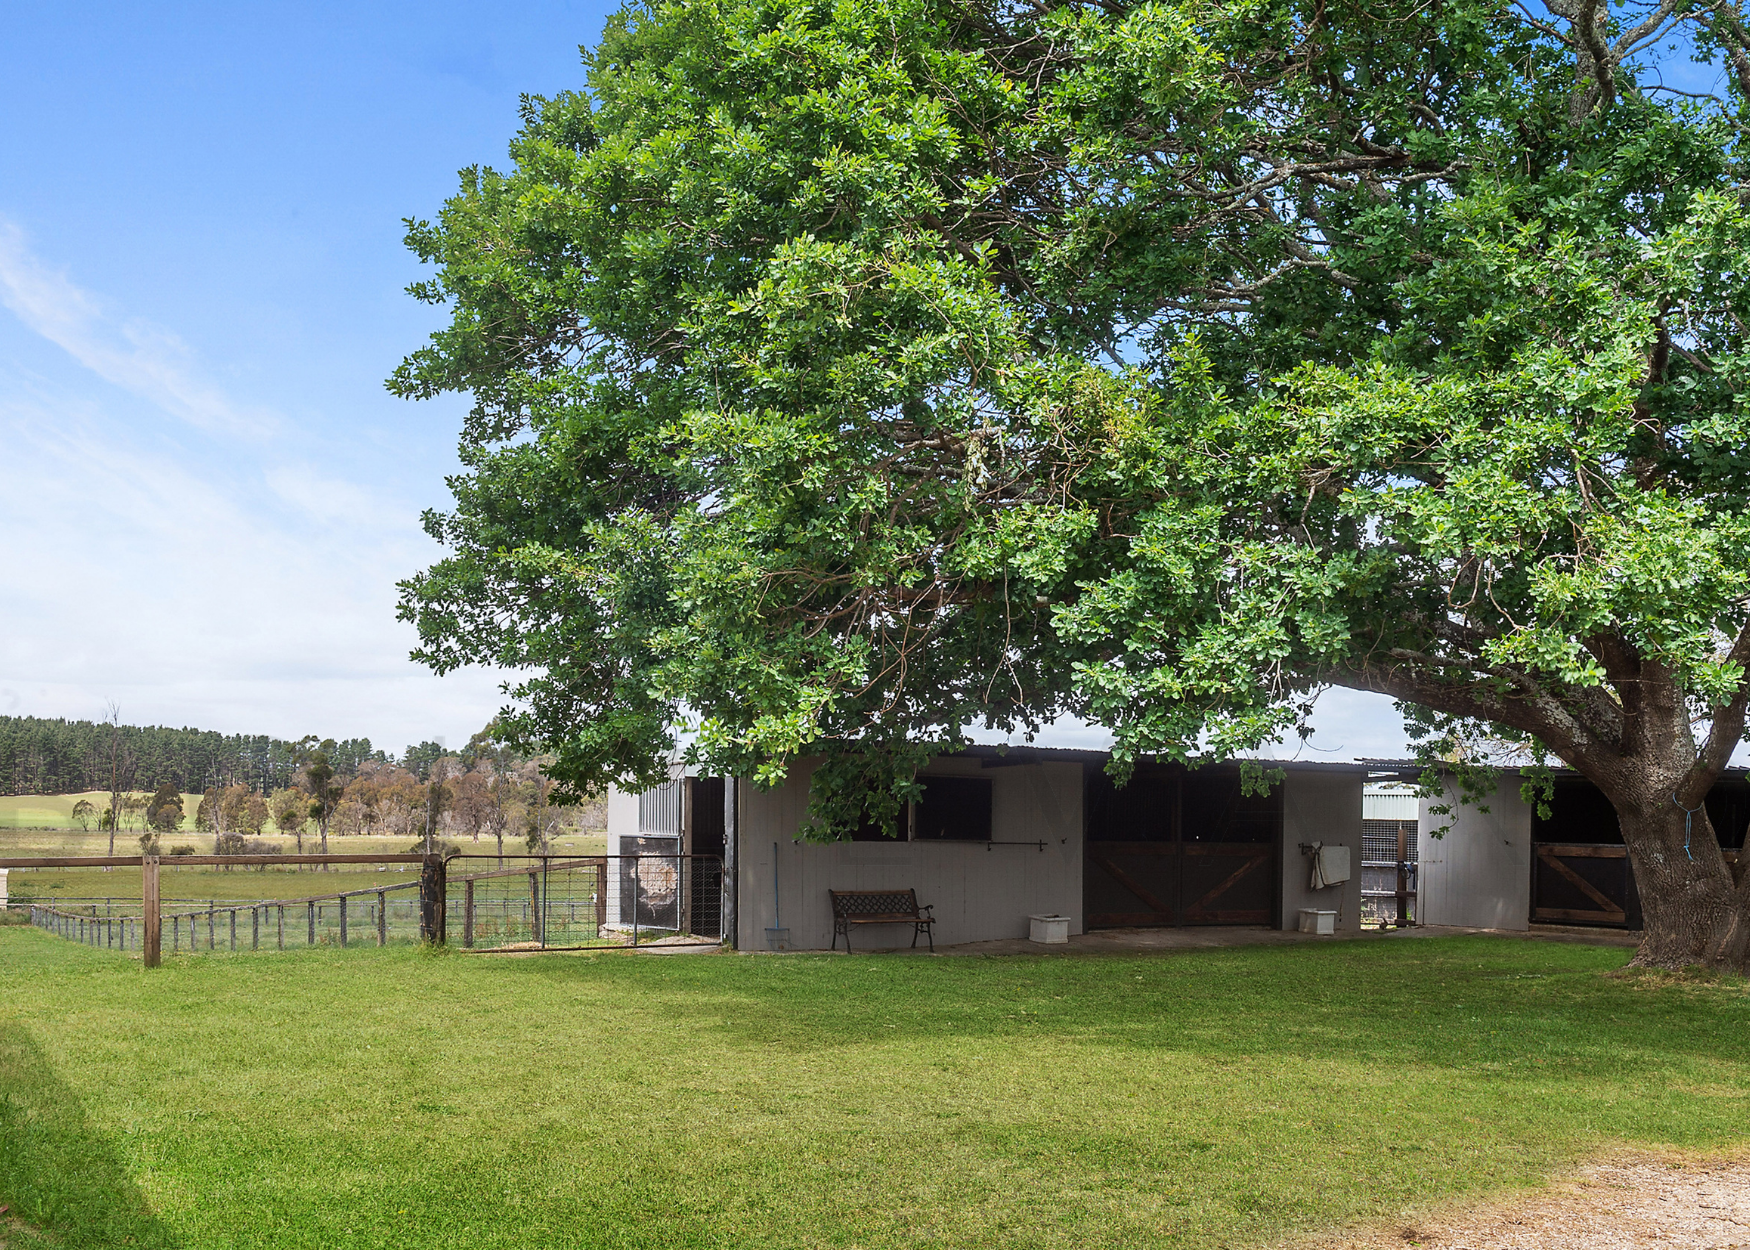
[
  {"x": 318, "y": 779},
  {"x": 845, "y": 374}
]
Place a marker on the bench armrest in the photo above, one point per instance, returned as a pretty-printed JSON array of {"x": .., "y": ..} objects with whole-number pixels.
[{"x": 928, "y": 907}]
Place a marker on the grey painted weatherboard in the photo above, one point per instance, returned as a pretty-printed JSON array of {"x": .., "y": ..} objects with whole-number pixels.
[
  {"x": 1321, "y": 807},
  {"x": 1478, "y": 875},
  {"x": 979, "y": 892}
]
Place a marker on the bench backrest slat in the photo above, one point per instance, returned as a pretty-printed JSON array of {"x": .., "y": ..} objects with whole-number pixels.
[{"x": 846, "y": 903}]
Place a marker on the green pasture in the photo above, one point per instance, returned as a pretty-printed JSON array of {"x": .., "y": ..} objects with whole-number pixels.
[
  {"x": 398, "y": 1098},
  {"x": 55, "y": 811}
]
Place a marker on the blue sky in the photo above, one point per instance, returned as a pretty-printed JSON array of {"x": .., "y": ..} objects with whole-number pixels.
[{"x": 206, "y": 495}]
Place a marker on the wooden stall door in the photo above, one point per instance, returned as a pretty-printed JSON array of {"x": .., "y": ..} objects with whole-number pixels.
[
  {"x": 1590, "y": 884},
  {"x": 1174, "y": 848}
]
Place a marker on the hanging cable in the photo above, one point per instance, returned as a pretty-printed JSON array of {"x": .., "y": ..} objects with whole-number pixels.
[{"x": 1688, "y": 816}]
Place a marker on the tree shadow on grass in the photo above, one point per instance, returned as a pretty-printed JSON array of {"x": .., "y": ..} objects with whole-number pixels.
[
  {"x": 57, "y": 1174},
  {"x": 1437, "y": 1002}
]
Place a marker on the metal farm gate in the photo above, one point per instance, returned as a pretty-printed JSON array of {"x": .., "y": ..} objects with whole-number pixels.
[
  {"x": 1389, "y": 865},
  {"x": 565, "y": 903},
  {"x": 540, "y": 905}
]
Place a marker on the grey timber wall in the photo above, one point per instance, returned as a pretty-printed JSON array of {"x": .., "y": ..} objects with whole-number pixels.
[
  {"x": 1478, "y": 875},
  {"x": 1321, "y": 807},
  {"x": 979, "y": 892}
]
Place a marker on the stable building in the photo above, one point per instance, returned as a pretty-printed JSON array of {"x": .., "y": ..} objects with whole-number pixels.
[
  {"x": 1507, "y": 867},
  {"x": 1001, "y": 835}
]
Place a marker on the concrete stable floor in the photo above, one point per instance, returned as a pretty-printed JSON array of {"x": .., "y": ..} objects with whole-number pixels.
[
  {"x": 1121, "y": 941},
  {"x": 1111, "y": 941}
]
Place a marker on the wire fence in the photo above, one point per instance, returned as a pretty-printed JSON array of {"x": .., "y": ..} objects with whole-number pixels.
[
  {"x": 1388, "y": 872},
  {"x": 539, "y": 907},
  {"x": 547, "y": 904}
]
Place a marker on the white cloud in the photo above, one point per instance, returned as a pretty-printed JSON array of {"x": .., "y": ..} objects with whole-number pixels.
[
  {"x": 1347, "y": 725},
  {"x": 195, "y": 576},
  {"x": 332, "y": 501},
  {"x": 146, "y": 360}
]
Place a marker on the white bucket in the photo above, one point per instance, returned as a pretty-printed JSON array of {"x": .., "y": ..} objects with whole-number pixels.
[
  {"x": 1050, "y": 930},
  {"x": 1315, "y": 920}
]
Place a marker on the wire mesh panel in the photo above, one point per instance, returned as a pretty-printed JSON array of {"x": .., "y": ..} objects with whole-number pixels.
[
  {"x": 1388, "y": 871},
  {"x": 546, "y": 904},
  {"x": 705, "y": 889}
]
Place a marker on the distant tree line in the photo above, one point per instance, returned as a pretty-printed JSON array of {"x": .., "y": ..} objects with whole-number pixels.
[
  {"x": 39, "y": 755},
  {"x": 249, "y": 785}
]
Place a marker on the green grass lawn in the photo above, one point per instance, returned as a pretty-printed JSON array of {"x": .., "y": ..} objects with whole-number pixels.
[{"x": 377, "y": 1098}]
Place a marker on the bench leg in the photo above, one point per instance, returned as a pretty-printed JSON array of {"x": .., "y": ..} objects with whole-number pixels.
[{"x": 929, "y": 932}]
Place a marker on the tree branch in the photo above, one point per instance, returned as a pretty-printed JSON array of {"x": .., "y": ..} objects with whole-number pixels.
[{"x": 1727, "y": 731}]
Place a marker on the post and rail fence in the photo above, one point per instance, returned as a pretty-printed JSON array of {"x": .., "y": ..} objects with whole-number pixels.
[{"x": 552, "y": 902}]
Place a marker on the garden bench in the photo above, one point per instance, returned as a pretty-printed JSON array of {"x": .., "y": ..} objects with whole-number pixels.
[{"x": 851, "y": 907}]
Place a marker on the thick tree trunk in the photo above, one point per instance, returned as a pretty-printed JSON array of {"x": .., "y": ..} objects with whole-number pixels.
[{"x": 1694, "y": 911}]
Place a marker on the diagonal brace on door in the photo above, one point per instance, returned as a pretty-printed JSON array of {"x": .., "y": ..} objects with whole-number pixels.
[
  {"x": 1124, "y": 879},
  {"x": 1610, "y": 909},
  {"x": 1252, "y": 861}
]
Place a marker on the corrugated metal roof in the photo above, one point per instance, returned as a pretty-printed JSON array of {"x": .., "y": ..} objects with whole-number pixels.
[
  {"x": 1388, "y": 802},
  {"x": 1029, "y": 755}
]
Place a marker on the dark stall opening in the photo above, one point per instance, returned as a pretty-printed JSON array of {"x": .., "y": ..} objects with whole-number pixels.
[
  {"x": 1580, "y": 870},
  {"x": 708, "y": 816},
  {"x": 953, "y": 809},
  {"x": 1176, "y": 847}
]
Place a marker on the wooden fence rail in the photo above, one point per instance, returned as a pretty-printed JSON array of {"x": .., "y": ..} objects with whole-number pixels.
[{"x": 148, "y": 927}]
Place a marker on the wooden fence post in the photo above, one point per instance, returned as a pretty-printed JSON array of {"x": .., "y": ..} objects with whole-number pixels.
[
  {"x": 343, "y": 922},
  {"x": 149, "y": 909},
  {"x": 432, "y": 889},
  {"x": 468, "y": 914},
  {"x": 382, "y": 919},
  {"x": 536, "y": 928}
]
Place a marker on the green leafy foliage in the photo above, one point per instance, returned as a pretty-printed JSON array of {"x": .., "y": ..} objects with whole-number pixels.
[{"x": 846, "y": 375}]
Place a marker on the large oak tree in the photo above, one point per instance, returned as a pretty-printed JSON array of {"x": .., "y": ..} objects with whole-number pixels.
[{"x": 846, "y": 373}]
